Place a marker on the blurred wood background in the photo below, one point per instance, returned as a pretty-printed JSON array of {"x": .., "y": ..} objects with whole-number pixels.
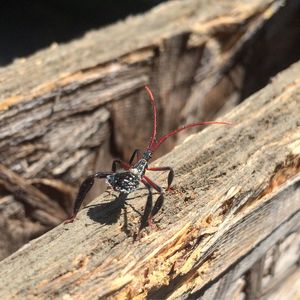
[{"x": 67, "y": 111}]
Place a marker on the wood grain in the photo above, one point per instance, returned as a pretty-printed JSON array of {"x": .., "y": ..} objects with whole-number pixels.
[
  {"x": 67, "y": 111},
  {"x": 237, "y": 194}
]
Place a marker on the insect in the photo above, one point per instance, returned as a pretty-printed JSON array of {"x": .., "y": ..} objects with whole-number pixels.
[{"x": 131, "y": 174}]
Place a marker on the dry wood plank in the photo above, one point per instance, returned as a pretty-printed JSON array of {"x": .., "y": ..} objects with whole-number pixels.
[
  {"x": 67, "y": 110},
  {"x": 288, "y": 288},
  {"x": 50, "y": 93},
  {"x": 235, "y": 187},
  {"x": 28, "y": 193},
  {"x": 259, "y": 257},
  {"x": 118, "y": 40}
]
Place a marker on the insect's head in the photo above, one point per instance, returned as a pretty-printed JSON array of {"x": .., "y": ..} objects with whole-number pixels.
[{"x": 147, "y": 154}]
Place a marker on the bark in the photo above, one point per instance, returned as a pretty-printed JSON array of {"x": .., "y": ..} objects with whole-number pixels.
[{"x": 235, "y": 212}]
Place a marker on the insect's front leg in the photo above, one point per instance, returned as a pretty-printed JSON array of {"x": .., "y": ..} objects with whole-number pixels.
[
  {"x": 85, "y": 186},
  {"x": 136, "y": 153},
  {"x": 170, "y": 176},
  {"x": 121, "y": 163}
]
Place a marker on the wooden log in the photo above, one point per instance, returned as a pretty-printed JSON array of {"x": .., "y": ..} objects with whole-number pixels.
[
  {"x": 236, "y": 197},
  {"x": 50, "y": 93},
  {"x": 67, "y": 110}
]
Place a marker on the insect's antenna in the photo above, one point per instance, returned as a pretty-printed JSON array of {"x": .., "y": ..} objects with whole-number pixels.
[
  {"x": 163, "y": 138},
  {"x": 153, "y": 137}
]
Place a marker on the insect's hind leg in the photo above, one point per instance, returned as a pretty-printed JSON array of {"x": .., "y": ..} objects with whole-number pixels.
[
  {"x": 158, "y": 203},
  {"x": 170, "y": 176},
  {"x": 148, "y": 207},
  {"x": 84, "y": 188}
]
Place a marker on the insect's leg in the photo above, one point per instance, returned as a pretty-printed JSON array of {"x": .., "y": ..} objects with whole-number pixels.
[
  {"x": 153, "y": 184},
  {"x": 148, "y": 207},
  {"x": 157, "y": 206},
  {"x": 170, "y": 176},
  {"x": 159, "y": 202},
  {"x": 136, "y": 153},
  {"x": 85, "y": 186},
  {"x": 121, "y": 163},
  {"x": 125, "y": 225}
]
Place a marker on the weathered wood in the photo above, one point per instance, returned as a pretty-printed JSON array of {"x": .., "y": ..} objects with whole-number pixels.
[
  {"x": 58, "y": 88},
  {"x": 67, "y": 110},
  {"x": 237, "y": 194},
  {"x": 261, "y": 262},
  {"x": 288, "y": 288},
  {"x": 31, "y": 195}
]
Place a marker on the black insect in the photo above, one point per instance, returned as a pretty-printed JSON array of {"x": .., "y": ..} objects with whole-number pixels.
[{"x": 129, "y": 177}]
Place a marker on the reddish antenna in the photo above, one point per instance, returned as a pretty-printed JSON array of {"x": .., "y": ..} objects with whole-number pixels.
[
  {"x": 153, "y": 137},
  {"x": 163, "y": 138},
  {"x": 154, "y": 144}
]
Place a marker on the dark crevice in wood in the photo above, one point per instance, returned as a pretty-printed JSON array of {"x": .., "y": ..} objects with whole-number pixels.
[{"x": 273, "y": 48}]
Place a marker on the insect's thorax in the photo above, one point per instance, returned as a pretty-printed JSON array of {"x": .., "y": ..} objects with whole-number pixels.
[
  {"x": 140, "y": 167},
  {"x": 128, "y": 181}
]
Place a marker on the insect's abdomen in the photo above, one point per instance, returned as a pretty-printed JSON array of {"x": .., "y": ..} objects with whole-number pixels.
[{"x": 125, "y": 182}]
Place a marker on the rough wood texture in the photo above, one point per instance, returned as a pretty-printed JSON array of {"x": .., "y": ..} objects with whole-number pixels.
[
  {"x": 263, "y": 273},
  {"x": 237, "y": 196},
  {"x": 66, "y": 111}
]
